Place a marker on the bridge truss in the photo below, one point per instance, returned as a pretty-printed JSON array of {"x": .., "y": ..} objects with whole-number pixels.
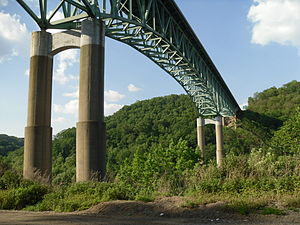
[{"x": 157, "y": 29}]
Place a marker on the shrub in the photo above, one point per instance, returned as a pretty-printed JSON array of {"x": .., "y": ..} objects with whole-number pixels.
[
  {"x": 80, "y": 196},
  {"x": 117, "y": 192},
  {"x": 10, "y": 179},
  {"x": 145, "y": 171},
  {"x": 20, "y": 197},
  {"x": 286, "y": 140}
]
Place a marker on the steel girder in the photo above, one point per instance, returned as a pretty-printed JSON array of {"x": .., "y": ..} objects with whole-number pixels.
[{"x": 157, "y": 29}]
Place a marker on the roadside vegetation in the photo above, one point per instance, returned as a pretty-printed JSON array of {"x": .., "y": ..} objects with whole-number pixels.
[{"x": 152, "y": 153}]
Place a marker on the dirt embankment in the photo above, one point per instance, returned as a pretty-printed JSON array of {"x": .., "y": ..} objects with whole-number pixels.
[{"x": 163, "y": 211}]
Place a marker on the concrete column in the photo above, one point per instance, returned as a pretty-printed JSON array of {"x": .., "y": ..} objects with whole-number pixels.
[
  {"x": 201, "y": 136},
  {"x": 90, "y": 132},
  {"x": 219, "y": 141},
  {"x": 38, "y": 133}
]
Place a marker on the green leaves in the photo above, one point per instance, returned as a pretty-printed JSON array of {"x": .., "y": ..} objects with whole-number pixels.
[
  {"x": 287, "y": 139},
  {"x": 9, "y": 143},
  {"x": 158, "y": 120},
  {"x": 275, "y": 102},
  {"x": 20, "y": 197},
  {"x": 64, "y": 143},
  {"x": 146, "y": 169}
]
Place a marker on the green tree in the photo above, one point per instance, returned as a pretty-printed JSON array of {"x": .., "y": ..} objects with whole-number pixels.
[
  {"x": 64, "y": 143},
  {"x": 9, "y": 143},
  {"x": 145, "y": 170},
  {"x": 287, "y": 139},
  {"x": 278, "y": 103}
]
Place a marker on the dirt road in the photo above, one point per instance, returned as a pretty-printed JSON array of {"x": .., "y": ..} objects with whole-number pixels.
[
  {"x": 165, "y": 211},
  {"x": 50, "y": 218}
]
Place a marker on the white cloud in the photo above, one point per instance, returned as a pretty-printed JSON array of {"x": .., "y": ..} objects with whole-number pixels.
[
  {"x": 70, "y": 107},
  {"x": 275, "y": 21},
  {"x": 110, "y": 109},
  {"x": 27, "y": 73},
  {"x": 14, "y": 36},
  {"x": 133, "y": 88},
  {"x": 109, "y": 96},
  {"x": 66, "y": 59},
  {"x": 74, "y": 94},
  {"x": 113, "y": 96},
  {"x": 3, "y": 2},
  {"x": 57, "y": 16},
  {"x": 59, "y": 120}
]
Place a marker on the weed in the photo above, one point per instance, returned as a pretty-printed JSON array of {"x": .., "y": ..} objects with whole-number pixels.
[
  {"x": 273, "y": 211},
  {"x": 294, "y": 209}
]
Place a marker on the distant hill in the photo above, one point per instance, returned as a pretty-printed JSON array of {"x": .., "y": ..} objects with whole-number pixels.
[
  {"x": 146, "y": 124},
  {"x": 157, "y": 120},
  {"x": 279, "y": 103},
  {"x": 9, "y": 143},
  {"x": 164, "y": 119}
]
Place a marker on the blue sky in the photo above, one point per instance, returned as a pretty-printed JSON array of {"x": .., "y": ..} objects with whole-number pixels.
[{"x": 254, "y": 44}]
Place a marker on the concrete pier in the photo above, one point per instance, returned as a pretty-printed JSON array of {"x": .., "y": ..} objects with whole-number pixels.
[
  {"x": 219, "y": 141},
  {"x": 38, "y": 133},
  {"x": 201, "y": 136},
  {"x": 90, "y": 132}
]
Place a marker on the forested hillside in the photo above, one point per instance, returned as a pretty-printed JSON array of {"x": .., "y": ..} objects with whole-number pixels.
[
  {"x": 151, "y": 151},
  {"x": 279, "y": 103},
  {"x": 158, "y": 120},
  {"x": 9, "y": 143}
]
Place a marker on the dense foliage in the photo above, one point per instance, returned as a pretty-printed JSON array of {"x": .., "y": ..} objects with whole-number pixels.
[
  {"x": 168, "y": 119},
  {"x": 152, "y": 152},
  {"x": 158, "y": 120},
  {"x": 160, "y": 167},
  {"x": 287, "y": 139},
  {"x": 9, "y": 143},
  {"x": 279, "y": 103},
  {"x": 146, "y": 123},
  {"x": 246, "y": 183}
]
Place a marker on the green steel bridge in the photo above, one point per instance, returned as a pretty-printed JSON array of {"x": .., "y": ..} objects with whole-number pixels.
[{"x": 157, "y": 29}]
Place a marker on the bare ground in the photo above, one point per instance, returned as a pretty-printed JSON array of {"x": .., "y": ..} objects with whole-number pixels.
[{"x": 163, "y": 211}]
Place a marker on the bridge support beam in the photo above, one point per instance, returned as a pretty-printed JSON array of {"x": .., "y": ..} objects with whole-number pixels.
[
  {"x": 219, "y": 141},
  {"x": 38, "y": 133},
  {"x": 201, "y": 136},
  {"x": 90, "y": 132}
]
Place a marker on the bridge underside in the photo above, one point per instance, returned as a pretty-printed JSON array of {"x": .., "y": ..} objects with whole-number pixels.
[{"x": 158, "y": 30}]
